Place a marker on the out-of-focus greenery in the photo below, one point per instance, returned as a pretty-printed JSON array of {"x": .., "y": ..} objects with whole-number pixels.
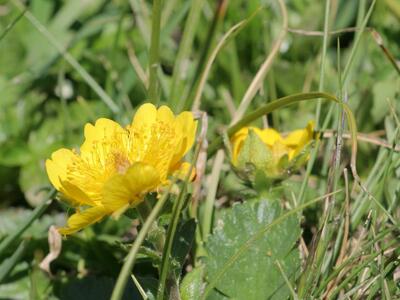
[{"x": 45, "y": 102}]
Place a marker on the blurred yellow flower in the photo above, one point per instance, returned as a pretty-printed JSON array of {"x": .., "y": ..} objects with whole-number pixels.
[
  {"x": 116, "y": 167},
  {"x": 269, "y": 151}
]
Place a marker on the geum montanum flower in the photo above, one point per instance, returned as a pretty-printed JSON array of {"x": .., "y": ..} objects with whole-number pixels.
[
  {"x": 116, "y": 167},
  {"x": 266, "y": 151}
]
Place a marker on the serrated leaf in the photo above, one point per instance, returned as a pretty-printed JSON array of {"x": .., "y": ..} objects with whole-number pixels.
[
  {"x": 192, "y": 283},
  {"x": 254, "y": 274}
]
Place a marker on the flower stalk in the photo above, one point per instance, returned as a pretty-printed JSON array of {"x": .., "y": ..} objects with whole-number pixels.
[{"x": 131, "y": 257}]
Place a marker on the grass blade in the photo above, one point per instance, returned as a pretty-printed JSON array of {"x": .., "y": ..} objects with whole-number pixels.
[
  {"x": 11, "y": 25},
  {"x": 154, "y": 52},
  {"x": 262, "y": 72},
  {"x": 131, "y": 257},
  {"x": 180, "y": 69},
  {"x": 176, "y": 214},
  {"x": 38, "y": 211},
  {"x": 356, "y": 44},
  {"x": 223, "y": 41},
  {"x": 8, "y": 264},
  {"x": 68, "y": 57},
  {"x": 323, "y": 57}
]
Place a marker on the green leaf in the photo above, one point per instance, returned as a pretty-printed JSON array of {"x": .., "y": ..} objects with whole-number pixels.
[
  {"x": 14, "y": 154},
  {"x": 32, "y": 180},
  {"x": 40, "y": 283},
  {"x": 182, "y": 245},
  {"x": 19, "y": 288},
  {"x": 192, "y": 283},
  {"x": 36, "y": 213},
  {"x": 254, "y": 274},
  {"x": 383, "y": 92},
  {"x": 100, "y": 288},
  {"x": 11, "y": 219}
]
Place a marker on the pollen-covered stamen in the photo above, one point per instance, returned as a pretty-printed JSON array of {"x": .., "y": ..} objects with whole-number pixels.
[{"x": 120, "y": 162}]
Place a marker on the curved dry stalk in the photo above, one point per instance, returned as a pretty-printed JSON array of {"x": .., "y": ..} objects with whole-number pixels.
[
  {"x": 262, "y": 72},
  {"x": 233, "y": 30},
  {"x": 345, "y": 239},
  {"x": 362, "y": 137},
  {"x": 137, "y": 66}
]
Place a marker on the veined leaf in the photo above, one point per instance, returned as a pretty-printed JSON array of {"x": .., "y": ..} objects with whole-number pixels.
[{"x": 254, "y": 274}]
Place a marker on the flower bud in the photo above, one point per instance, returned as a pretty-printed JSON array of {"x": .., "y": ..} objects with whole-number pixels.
[{"x": 265, "y": 151}]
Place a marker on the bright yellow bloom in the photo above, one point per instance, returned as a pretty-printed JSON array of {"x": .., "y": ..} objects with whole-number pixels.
[
  {"x": 116, "y": 167},
  {"x": 277, "y": 147}
]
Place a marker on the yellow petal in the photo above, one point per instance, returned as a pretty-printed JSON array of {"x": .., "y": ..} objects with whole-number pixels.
[
  {"x": 269, "y": 136},
  {"x": 164, "y": 114},
  {"x": 181, "y": 171},
  {"x": 297, "y": 139},
  {"x": 189, "y": 127},
  {"x": 116, "y": 193},
  {"x": 300, "y": 137},
  {"x": 279, "y": 150},
  {"x": 186, "y": 128},
  {"x": 56, "y": 167},
  {"x": 103, "y": 130},
  {"x": 238, "y": 138},
  {"x": 145, "y": 116},
  {"x": 75, "y": 195},
  {"x": 83, "y": 219},
  {"x": 57, "y": 170},
  {"x": 130, "y": 188},
  {"x": 116, "y": 214},
  {"x": 141, "y": 131}
]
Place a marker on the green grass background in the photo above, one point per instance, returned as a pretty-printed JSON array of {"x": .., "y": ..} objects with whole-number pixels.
[{"x": 66, "y": 63}]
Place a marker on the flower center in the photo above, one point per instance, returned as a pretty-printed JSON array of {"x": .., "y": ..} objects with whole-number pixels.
[{"x": 121, "y": 162}]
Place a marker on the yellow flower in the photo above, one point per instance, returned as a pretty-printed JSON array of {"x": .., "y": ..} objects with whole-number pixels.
[
  {"x": 272, "y": 148},
  {"x": 116, "y": 167}
]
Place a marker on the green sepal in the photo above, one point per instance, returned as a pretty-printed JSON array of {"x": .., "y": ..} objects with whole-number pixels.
[{"x": 253, "y": 156}]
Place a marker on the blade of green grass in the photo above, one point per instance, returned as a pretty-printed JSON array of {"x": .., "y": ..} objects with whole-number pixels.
[
  {"x": 140, "y": 13},
  {"x": 206, "y": 223},
  {"x": 356, "y": 271},
  {"x": 131, "y": 257},
  {"x": 234, "y": 30},
  {"x": 323, "y": 58},
  {"x": 11, "y": 25},
  {"x": 344, "y": 75},
  {"x": 219, "y": 15},
  {"x": 8, "y": 264},
  {"x": 179, "y": 75},
  {"x": 262, "y": 72},
  {"x": 37, "y": 212},
  {"x": 154, "y": 52},
  {"x": 176, "y": 214},
  {"x": 357, "y": 41},
  {"x": 68, "y": 57}
]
